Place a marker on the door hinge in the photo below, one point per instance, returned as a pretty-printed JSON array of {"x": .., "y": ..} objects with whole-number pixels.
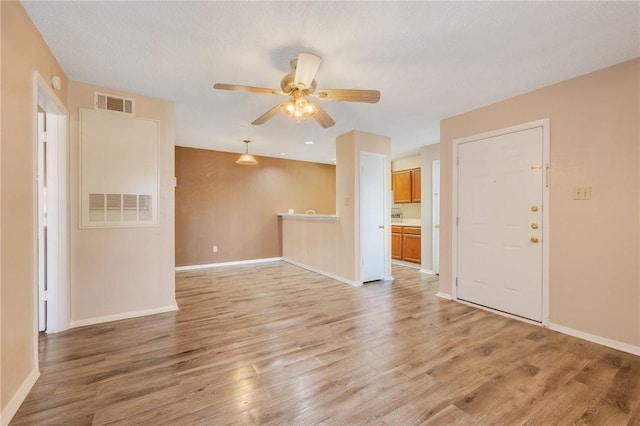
[
  {"x": 457, "y": 220},
  {"x": 456, "y": 281},
  {"x": 458, "y": 161}
]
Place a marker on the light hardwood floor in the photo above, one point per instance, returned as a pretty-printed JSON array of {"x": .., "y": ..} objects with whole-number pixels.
[{"x": 275, "y": 344}]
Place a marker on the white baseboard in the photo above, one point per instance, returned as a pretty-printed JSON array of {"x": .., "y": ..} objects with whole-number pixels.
[
  {"x": 406, "y": 264},
  {"x": 445, "y": 296},
  {"x": 124, "y": 315},
  {"x": 234, "y": 263},
  {"x": 426, "y": 271},
  {"x": 325, "y": 273},
  {"x": 18, "y": 398},
  {"x": 624, "y": 347}
]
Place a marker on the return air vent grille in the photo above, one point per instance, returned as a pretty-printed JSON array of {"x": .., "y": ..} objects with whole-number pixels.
[
  {"x": 119, "y": 208},
  {"x": 113, "y": 103}
]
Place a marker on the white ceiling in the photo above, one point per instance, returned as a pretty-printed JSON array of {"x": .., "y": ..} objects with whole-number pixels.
[{"x": 430, "y": 60}]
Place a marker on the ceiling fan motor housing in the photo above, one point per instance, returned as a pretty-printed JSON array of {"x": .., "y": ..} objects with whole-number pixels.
[{"x": 287, "y": 85}]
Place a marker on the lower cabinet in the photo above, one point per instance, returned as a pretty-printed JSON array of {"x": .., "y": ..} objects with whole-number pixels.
[
  {"x": 396, "y": 242},
  {"x": 411, "y": 243},
  {"x": 406, "y": 243}
]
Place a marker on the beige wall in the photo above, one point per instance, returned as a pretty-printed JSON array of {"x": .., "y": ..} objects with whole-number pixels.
[
  {"x": 594, "y": 245},
  {"x": 333, "y": 246},
  {"x": 427, "y": 155},
  {"x": 121, "y": 272},
  {"x": 234, "y": 206},
  {"x": 23, "y": 52},
  {"x": 406, "y": 163}
]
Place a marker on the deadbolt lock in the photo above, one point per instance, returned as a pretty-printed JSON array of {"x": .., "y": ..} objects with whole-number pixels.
[
  {"x": 533, "y": 239},
  {"x": 534, "y": 208},
  {"x": 534, "y": 225}
]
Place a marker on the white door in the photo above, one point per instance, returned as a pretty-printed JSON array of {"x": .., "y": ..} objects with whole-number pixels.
[
  {"x": 500, "y": 194},
  {"x": 435, "y": 214},
  {"x": 372, "y": 216}
]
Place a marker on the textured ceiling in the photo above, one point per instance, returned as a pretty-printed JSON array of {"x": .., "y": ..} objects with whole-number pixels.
[{"x": 430, "y": 60}]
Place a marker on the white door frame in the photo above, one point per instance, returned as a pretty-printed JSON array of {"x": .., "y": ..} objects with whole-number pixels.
[
  {"x": 58, "y": 217},
  {"x": 545, "y": 124},
  {"x": 386, "y": 217}
]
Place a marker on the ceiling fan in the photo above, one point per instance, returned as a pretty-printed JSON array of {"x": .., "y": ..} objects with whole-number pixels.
[{"x": 300, "y": 84}]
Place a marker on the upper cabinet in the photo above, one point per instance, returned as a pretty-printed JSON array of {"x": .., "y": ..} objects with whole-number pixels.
[
  {"x": 406, "y": 186},
  {"x": 415, "y": 185}
]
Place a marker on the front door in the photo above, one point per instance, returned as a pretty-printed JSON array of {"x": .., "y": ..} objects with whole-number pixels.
[{"x": 500, "y": 194}]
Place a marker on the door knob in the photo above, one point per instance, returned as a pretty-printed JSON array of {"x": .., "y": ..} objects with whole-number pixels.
[
  {"x": 534, "y": 208},
  {"x": 437, "y": 226},
  {"x": 380, "y": 226},
  {"x": 533, "y": 239},
  {"x": 534, "y": 225}
]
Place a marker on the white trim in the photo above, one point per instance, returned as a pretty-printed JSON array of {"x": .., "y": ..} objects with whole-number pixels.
[
  {"x": 18, "y": 398},
  {"x": 445, "y": 296},
  {"x": 427, "y": 271},
  {"x": 124, "y": 315},
  {"x": 406, "y": 264},
  {"x": 325, "y": 273},
  {"x": 218, "y": 265},
  {"x": 625, "y": 347},
  {"x": 545, "y": 124}
]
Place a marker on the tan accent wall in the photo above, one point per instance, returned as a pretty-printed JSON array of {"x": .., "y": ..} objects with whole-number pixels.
[
  {"x": 122, "y": 271},
  {"x": 334, "y": 246},
  {"x": 23, "y": 51},
  {"x": 234, "y": 207},
  {"x": 594, "y": 245}
]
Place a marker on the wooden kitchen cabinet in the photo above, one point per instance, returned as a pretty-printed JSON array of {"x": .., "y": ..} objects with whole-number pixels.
[
  {"x": 406, "y": 186},
  {"x": 406, "y": 243},
  {"x": 396, "y": 242},
  {"x": 416, "y": 186},
  {"x": 402, "y": 187},
  {"x": 411, "y": 244}
]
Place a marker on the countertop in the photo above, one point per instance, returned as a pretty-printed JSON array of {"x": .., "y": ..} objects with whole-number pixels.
[{"x": 408, "y": 222}]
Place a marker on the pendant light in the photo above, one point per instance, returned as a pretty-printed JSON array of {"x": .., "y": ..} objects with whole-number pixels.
[{"x": 246, "y": 158}]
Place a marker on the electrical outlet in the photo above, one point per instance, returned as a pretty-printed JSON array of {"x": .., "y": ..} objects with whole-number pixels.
[
  {"x": 582, "y": 193},
  {"x": 215, "y": 249}
]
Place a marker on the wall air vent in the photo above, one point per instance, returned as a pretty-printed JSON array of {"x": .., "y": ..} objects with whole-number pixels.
[{"x": 113, "y": 103}]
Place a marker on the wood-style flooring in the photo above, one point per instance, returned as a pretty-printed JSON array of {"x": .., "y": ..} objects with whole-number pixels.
[{"x": 275, "y": 344}]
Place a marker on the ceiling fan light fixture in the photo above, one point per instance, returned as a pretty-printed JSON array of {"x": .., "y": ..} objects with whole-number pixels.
[
  {"x": 298, "y": 108},
  {"x": 246, "y": 158}
]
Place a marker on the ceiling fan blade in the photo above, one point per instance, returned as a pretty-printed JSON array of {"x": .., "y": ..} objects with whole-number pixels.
[
  {"x": 306, "y": 70},
  {"x": 348, "y": 95},
  {"x": 252, "y": 89},
  {"x": 267, "y": 115},
  {"x": 321, "y": 116}
]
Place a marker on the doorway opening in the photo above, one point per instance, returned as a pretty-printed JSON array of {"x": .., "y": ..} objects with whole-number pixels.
[{"x": 51, "y": 215}]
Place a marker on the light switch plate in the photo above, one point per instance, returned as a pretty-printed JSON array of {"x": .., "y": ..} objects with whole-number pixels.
[{"x": 582, "y": 193}]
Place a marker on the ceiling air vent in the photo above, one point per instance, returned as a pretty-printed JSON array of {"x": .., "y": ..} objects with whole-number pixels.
[{"x": 113, "y": 103}]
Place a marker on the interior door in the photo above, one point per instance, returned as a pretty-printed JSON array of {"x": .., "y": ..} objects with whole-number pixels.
[
  {"x": 372, "y": 216},
  {"x": 435, "y": 215},
  {"x": 500, "y": 193}
]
